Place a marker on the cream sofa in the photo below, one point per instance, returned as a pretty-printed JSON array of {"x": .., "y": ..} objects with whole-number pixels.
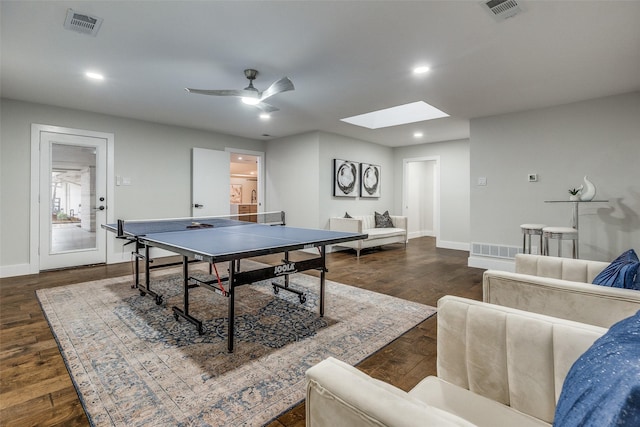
[
  {"x": 366, "y": 224},
  {"x": 560, "y": 287},
  {"x": 496, "y": 366}
]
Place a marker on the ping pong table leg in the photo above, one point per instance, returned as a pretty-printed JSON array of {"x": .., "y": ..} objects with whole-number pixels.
[
  {"x": 137, "y": 267},
  {"x": 231, "y": 292},
  {"x": 184, "y": 313},
  {"x": 322, "y": 271}
]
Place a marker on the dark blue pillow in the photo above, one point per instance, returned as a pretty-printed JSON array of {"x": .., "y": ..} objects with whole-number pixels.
[
  {"x": 602, "y": 387},
  {"x": 621, "y": 273}
]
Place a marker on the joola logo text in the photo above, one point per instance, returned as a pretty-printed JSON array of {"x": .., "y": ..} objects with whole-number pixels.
[{"x": 289, "y": 268}]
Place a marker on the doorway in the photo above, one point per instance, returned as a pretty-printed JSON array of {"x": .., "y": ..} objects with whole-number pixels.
[
  {"x": 421, "y": 196},
  {"x": 71, "y": 195},
  {"x": 227, "y": 182},
  {"x": 247, "y": 181}
]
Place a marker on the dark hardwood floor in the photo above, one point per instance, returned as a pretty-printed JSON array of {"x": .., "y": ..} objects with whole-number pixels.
[{"x": 35, "y": 388}]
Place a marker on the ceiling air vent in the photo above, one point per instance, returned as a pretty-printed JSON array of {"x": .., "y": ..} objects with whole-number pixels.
[
  {"x": 82, "y": 23},
  {"x": 502, "y": 9}
]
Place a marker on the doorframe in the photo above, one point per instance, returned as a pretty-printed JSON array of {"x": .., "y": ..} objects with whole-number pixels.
[
  {"x": 261, "y": 173},
  {"x": 34, "y": 213},
  {"x": 436, "y": 189}
]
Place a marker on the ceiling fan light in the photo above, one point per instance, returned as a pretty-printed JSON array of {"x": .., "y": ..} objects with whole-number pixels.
[
  {"x": 94, "y": 76},
  {"x": 250, "y": 101}
]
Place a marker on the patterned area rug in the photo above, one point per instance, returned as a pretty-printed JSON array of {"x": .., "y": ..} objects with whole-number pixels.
[{"x": 133, "y": 364}]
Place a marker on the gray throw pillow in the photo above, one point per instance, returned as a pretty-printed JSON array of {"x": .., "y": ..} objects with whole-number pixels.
[{"x": 383, "y": 220}]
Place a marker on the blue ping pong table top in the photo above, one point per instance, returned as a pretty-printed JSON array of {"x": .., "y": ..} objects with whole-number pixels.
[{"x": 230, "y": 239}]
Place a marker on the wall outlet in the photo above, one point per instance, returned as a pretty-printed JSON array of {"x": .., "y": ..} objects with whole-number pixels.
[
  {"x": 482, "y": 180},
  {"x": 532, "y": 177}
]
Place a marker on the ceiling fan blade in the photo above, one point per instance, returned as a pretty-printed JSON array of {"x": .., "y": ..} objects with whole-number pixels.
[
  {"x": 282, "y": 85},
  {"x": 266, "y": 107},
  {"x": 230, "y": 92}
]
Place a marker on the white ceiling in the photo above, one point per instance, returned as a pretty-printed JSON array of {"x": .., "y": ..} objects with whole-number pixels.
[{"x": 344, "y": 58}]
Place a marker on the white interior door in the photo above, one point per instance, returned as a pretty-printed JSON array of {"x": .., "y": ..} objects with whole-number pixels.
[
  {"x": 72, "y": 196},
  {"x": 210, "y": 182}
]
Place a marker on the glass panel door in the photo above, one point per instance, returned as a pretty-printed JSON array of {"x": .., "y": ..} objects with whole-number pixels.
[
  {"x": 72, "y": 200},
  {"x": 73, "y": 186}
]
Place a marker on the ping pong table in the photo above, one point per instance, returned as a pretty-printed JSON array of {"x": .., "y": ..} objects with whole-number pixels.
[{"x": 227, "y": 239}]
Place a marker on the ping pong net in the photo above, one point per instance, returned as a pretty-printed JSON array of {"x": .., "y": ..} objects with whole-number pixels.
[{"x": 143, "y": 227}]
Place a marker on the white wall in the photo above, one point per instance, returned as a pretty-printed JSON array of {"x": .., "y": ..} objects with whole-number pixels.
[
  {"x": 292, "y": 179},
  {"x": 300, "y": 174},
  {"x": 156, "y": 157},
  {"x": 599, "y": 138},
  {"x": 454, "y": 187}
]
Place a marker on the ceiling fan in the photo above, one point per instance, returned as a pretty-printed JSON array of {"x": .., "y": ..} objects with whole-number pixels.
[{"x": 250, "y": 95}]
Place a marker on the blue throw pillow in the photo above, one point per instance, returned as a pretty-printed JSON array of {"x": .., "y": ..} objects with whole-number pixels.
[
  {"x": 602, "y": 387},
  {"x": 621, "y": 273}
]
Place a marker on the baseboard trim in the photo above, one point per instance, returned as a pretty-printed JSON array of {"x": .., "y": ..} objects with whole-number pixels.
[
  {"x": 489, "y": 263},
  {"x": 459, "y": 246},
  {"x": 17, "y": 270},
  {"x": 424, "y": 233}
]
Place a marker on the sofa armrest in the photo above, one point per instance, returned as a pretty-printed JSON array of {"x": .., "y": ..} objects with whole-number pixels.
[
  {"x": 399, "y": 221},
  {"x": 582, "y": 302},
  {"x": 513, "y": 357},
  {"x": 340, "y": 395},
  {"x": 350, "y": 225}
]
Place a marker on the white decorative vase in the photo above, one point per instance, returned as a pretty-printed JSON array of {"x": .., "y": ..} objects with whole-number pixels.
[{"x": 589, "y": 191}]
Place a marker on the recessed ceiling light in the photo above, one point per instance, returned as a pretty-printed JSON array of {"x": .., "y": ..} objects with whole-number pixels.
[
  {"x": 421, "y": 69},
  {"x": 394, "y": 116},
  {"x": 418, "y": 134},
  {"x": 94, "y": 76},
  {"x": 265, "y": 116}
]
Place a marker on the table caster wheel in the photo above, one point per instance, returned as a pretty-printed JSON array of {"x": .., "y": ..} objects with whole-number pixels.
[
  {"x": 142, "y": 293},
  {"x": 158, "y": 299},
  {"x": 276, "y": 290},
  {"x": 175, "y": 316},
  {"x": 303, "y": 299}
]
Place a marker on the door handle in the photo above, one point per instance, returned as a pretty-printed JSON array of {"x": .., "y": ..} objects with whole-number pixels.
[
  {"x": 99, "y": 208},
  {"x": 198, "y": 206}
]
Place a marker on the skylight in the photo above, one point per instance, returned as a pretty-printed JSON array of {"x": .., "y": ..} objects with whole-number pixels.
[{"x": 401, "y": 115}]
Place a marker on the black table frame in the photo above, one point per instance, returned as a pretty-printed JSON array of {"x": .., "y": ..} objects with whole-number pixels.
[{"x": 235, "y": 278}]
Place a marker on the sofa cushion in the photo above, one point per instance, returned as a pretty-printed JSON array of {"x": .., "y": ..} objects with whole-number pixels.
[
  {"x": 621, "y": 273},
  {"x": 602, "y": 387},
  {"x": 476, "y": 409},
  {"x": 383, "y": 220},
  {"x": 375, "y": 233}
]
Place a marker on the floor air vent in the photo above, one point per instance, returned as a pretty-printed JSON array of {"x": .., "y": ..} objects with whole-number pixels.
[
  {"x": 82, "y": 23},
  {"x": 502, "y": 9},
  {"x": 496, "y": 251}
]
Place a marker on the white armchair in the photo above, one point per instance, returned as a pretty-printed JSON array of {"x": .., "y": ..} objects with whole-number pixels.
[
  {"x": 560, "y": 287},
  {"x": 497, "y": 366}
]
